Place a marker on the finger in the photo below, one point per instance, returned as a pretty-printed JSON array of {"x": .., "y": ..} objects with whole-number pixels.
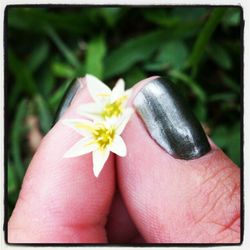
[
  {"x": 173, "y": 200},
  {"x": 61, "y": 201},
  {"x": 120, "y": 227}
]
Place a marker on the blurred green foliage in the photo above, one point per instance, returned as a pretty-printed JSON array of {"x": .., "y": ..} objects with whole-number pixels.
[{"x": 197, "y": 48}]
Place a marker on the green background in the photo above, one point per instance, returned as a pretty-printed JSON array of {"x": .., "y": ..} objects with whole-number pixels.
[{"x": 197, "y": 48}]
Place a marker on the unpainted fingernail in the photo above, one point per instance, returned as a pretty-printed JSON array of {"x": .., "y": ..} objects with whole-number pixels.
[
  {"x": 68, "y": 97},
  {"x": 170, "y": 121}
]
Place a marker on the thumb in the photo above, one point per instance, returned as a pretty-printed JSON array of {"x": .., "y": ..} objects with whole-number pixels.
[
  {"x": 61, "y": 201},
  {"x": 177, "y": 189}
]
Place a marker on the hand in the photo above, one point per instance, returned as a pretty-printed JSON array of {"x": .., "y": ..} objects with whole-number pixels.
[{"x": 164, "y": 199}]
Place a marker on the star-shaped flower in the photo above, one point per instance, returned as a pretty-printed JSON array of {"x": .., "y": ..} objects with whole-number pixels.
[
  {"x": 99, "y": 137},
  {"x": 108, "y": 103}
]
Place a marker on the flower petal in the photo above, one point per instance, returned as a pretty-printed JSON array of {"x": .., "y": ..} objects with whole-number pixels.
[
  {"x": 128, "y": 92},
  {"x": 98, "y": 90},
  {"x": 99, "y": 159},
  {"x": 82, "y": 147},
  {"x": 90, "y": 110},
  {"x": 127, "y": 95},
  {"x": 118, "y": 90},
  {"x": 123, "y": 120},
  {"x": 118, "y": 146},
  {"x": 81, "y": 126}
]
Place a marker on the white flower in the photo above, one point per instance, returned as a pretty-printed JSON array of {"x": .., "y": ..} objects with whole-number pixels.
[
  {"x": 108, "y": 103},
  {"x": 99, "y": 137}
]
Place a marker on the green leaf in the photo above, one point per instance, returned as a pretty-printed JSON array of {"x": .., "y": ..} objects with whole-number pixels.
[
  {"x": 155, "y": 66},
  {"x": 63, "y": 70},
  {"x": 133, "y": 76},
  {"x": 69, "y": 21},
  {"x": 96, "y": 51},
  {"x": 46, "y": 81},
  {"x": 161, "y": 17},
  {"x": 232, "y": 17},
  {"x": 196, "y": 88},
  {"x": 45, "y": 117},
  {"x": 230, "y": 83},
  {"x": 23, "y": 18},
  {"x": 13, "y": 96},
  {"x": 38, "y": 56},
  {"x": 173, "y": 54},
  {"x": 234, "y": 147},
  {"x": 111, "y": 15},
  {"x": 228, "y": 138},
  {"x": 220, "y": 56},
  {"x": 204, "y": 37},
  {"x": 133, "y": 51},
  {"x": 13, "y": 186},
  {"x": 22, "y": 74},
  {"x": 67, "y": 53},
  {"x": 185, "y": 14},
  {"x": 12, "y": 181},
  {"x": 56, "y": 98},
  {"x": 220, "y": 136},
  {"x": 222, "y": 97},
  {"x": 200, "y": 111},
  {"x": 178, "y": 16},
  {"x": 17, "y": 131}
]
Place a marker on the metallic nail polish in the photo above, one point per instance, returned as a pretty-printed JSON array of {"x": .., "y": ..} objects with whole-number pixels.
[
  {"x": 69, "y": 95},
  {"x": 169, "y": 120}
]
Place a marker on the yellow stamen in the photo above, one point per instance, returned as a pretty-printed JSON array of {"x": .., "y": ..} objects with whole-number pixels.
[
  {"x": 103, "y": 94},
  {"x": 84, "y": 126},
  {"x": 114, "y": 109},
  {"x": 103, "y": 136}
]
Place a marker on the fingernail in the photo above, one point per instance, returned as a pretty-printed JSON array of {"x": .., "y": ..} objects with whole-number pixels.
[
  {"x": 169, "y": 120},
  {"x": 69, "y": 95}
]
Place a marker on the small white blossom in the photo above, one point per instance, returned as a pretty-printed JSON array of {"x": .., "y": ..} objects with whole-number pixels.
[
  {"x": 99, "y": 137},
  {"x": 108, "y": 103}
]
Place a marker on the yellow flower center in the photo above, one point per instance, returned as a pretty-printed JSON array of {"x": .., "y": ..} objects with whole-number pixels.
[
  {"x": 103, "y": 136},
  {"x": 114, "y": 109}
]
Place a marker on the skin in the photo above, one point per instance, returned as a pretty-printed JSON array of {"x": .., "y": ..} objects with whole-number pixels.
[{"x": 147, "y": 197}]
